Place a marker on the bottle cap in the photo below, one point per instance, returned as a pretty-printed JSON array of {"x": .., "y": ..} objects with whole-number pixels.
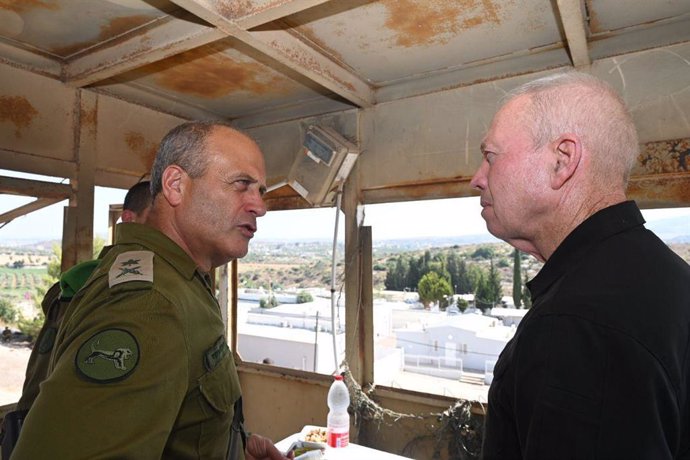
[{"x": 338, "y": 377}]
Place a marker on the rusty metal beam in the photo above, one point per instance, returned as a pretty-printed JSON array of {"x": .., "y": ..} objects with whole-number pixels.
[
  {"x": 250, "y": 13},
  {"x": 14, "y": 55},
  {"x": 36, "y": 188},
  {"x": 573, "y": 21},
  {"x": 170, "y": 36},
  {"x": 660, "y": 190},
  {"x": 287, "y": 50},
  {"x": 27, "y": 208}
]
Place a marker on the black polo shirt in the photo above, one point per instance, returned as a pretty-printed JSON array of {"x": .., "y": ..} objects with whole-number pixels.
[{"x": 598, "y": 369}]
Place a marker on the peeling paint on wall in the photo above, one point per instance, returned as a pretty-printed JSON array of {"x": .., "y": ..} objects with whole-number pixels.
[
  {"x": 17, "y": 110},
  {"x": 436, "y": 22},
  {"x": 671, "y": 156}
]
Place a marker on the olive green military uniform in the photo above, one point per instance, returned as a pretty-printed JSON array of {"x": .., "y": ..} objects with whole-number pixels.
[
  {"x": 54, "y": 305},
  {"x": 140, "y": 367}
]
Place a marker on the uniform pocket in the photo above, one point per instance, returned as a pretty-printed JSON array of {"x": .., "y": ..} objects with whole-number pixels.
[
  {"x": 220, "y": 387},
  {"x": 218, "y": 391}
]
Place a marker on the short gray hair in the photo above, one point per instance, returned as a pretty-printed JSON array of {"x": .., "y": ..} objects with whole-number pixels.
[
  {"x": 183, "y": 146},
  {"x": 579, "y": 103}
]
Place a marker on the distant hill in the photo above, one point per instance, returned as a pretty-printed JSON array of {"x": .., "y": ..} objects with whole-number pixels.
[{"x": 672, "y": 230}]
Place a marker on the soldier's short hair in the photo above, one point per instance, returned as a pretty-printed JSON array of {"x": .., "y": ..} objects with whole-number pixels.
[{"x": 138, "y": 197}]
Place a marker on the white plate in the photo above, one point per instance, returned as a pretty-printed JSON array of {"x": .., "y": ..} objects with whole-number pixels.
[{"x": 309, "y": 428}]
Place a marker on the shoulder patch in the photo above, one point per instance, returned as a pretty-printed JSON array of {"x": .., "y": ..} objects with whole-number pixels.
[
  {"x": 109, "y": 356},
  {"x": 131, "y": 266}
]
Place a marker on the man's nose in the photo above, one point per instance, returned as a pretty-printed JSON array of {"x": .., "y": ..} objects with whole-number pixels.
[
  {"x": 479, "y": 179},
  {"x": 256, "y": 205}
]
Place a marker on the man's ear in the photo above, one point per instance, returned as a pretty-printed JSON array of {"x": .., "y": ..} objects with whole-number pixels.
[
  {"x": 568, "y": 151},
  {"x": 127, "y": 215},
  {"x": 173, "y": 184}
]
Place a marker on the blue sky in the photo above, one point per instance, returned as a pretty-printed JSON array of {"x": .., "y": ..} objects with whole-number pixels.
[{"x": 449, "y": 217}]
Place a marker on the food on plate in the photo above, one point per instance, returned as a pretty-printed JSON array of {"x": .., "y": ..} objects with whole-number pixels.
[
  {"x": 316, "y": 435},
  {"x": 304, "y": 450}
]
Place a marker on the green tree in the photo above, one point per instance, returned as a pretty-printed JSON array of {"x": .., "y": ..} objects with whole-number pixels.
[
  {"x": 415, "y": 272},
  {"x": 8, "y": 312},
  {"x": 304, "y": 297},
  {"x": 488, "y": 292},
  {"x": 526, "y": 296},
  {"x": 483, "y": 252},
  {"x": 474, "y": 275},
  {"x": 54, "y": 264},
  {"x": 396, "y": 276},
  {"x": 434, "y": 288},
  {"x": 464, "y": 283},
  {"x": 494, "y": 285},
  {"x": 517, "y": 279},
  {"x": 462, "y": 304},
  {"x": 268, "y": 302}
]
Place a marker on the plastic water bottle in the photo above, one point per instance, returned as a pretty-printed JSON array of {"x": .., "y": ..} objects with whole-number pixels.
[{"x": 338, "y": 421}]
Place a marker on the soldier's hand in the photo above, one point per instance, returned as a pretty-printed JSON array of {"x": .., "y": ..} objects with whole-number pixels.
[{"x": 260, "y": 448}]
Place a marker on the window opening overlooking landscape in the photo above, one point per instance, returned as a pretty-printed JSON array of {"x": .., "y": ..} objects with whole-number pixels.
[
  {"x": 452, "y": 283},
  {"x": 418, "y": 345},
  {"x": 284, "y": 299}
]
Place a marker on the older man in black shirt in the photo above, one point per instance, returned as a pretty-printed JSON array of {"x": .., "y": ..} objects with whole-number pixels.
[{"x": 599, "y": 367}]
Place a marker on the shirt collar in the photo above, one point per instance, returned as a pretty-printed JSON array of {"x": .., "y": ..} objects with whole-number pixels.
[
  {"x": 596, "y": 228},
  {"x": 154, "y": 240}
]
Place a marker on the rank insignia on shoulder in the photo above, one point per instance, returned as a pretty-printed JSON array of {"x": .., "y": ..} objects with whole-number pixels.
[
  {"x": 131, "y": 266},
  {"x": 109, "y": 356}
]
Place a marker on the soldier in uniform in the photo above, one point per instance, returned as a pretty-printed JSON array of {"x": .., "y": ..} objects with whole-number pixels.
[
  {"x": 54, "y": 304},
  {"x": 134, "y": 209},
  {"x": 140, "y": 367}
]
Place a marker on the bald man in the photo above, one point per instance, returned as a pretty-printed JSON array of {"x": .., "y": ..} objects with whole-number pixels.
[{"x": 141, "y": 368}]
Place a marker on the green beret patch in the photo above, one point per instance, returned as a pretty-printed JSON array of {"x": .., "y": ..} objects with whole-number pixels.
[{"x": 108, "y": 356}]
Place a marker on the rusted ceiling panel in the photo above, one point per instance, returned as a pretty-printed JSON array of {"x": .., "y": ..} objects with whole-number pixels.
[
  {"x": 67, "y": 27},
  {"x": 289, "y": 51},
  {"x": 608, "y": 15},
  {"x": 390, "y": 40},
  {"x": 656, "y": 85},
  {"x": 222, "y": 80},
  {"x": 171, "y": 36}
]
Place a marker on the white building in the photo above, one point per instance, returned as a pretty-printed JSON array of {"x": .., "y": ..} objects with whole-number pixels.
[
  {"x": 298, "y": 336},
  {"x": 446, "y": 345}
]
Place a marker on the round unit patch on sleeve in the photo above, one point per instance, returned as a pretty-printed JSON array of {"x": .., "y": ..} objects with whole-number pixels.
[{"x": 108, "y": 356}]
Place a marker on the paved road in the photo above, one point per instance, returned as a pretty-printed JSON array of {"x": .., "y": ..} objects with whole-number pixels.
[{"x": 13, "y": 358}]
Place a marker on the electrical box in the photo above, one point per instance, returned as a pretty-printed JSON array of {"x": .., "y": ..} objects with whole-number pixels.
[{"x": 322, "y": 165}]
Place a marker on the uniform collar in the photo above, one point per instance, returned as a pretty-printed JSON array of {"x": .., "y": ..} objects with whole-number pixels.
[
  {"x": 154, "y": 240},
  {"x": 596, "y": 228}
]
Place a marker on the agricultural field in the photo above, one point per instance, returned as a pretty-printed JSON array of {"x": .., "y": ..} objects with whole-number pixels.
[{"x": 21, "y": 283}]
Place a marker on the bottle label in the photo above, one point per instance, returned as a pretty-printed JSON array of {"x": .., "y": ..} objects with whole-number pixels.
[{"x": 338, "y": 439}]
